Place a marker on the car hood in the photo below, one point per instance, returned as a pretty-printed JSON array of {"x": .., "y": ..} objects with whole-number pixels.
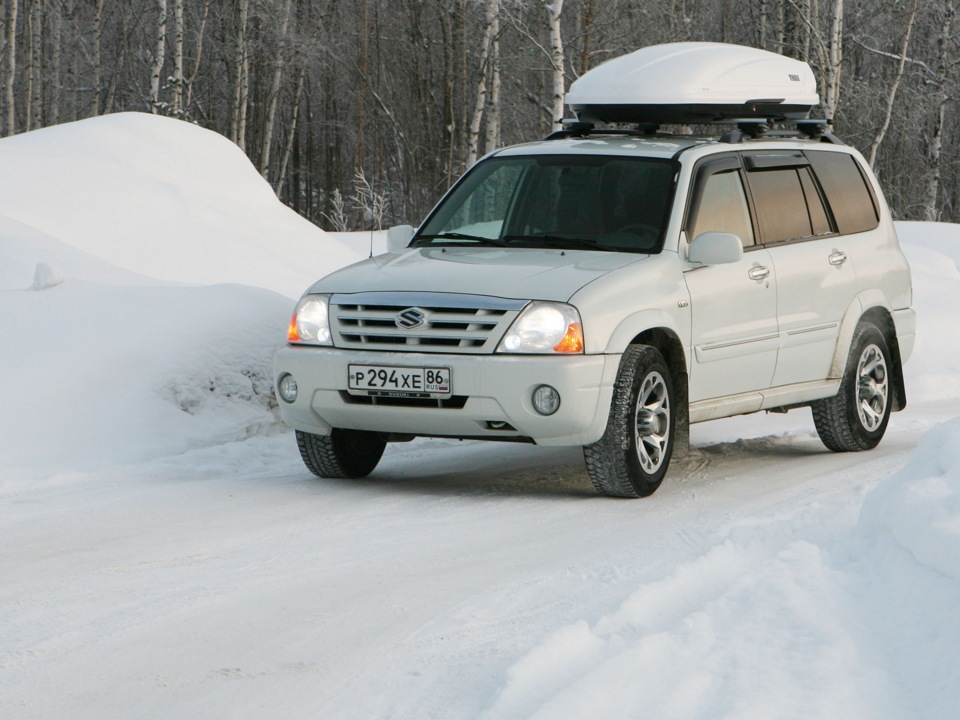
[{"x": 522, "y": 273}]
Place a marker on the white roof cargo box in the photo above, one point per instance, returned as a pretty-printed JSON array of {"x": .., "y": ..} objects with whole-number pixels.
[{"x": 694, "y": 82}]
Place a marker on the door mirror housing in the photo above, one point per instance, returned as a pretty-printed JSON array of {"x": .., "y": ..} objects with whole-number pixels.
[
  {"x": 398, "y": 237},
  {"x": 715, "y": 248}
]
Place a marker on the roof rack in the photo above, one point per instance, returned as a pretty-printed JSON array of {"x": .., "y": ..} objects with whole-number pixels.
[
  {"x": 575, "y": 128},
  {"x": 746, "y": 129}
]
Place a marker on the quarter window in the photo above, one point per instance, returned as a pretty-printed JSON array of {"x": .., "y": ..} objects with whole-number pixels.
[{"x": 846, "y": 189}]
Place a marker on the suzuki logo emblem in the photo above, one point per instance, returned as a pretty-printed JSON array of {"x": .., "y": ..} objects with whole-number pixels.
[{"x": 411, "y": 318}]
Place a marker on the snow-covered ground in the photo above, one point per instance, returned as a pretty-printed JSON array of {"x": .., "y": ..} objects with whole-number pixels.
[{"x": 165, "y": 553}]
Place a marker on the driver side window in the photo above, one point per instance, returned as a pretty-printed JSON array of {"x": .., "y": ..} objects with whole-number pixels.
[{"x": 723, "y": 208}]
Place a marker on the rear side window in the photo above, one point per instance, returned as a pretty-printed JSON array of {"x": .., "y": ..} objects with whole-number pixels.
[
  {"x": 781, "y": 206},
  {"x": 848, "y": 194}
]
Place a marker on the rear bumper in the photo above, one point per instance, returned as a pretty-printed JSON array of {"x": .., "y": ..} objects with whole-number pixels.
[{"x": 493, "y": 390}]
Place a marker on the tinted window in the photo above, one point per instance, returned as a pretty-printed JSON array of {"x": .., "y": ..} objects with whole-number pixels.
[
  {"x": 599, "y": 202},
  {"x": 781, "y": 205},
  {"x": 818, "y": 214},
  {"x": 723, "y": 208},
  {"x": 846, "y": 189}
]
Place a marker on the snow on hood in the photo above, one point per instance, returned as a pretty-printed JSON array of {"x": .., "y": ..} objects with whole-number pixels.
[{"x": 513, "y": 273}]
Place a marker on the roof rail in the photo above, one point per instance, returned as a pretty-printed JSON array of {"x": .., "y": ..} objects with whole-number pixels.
[{"x": 574, "y": 129}]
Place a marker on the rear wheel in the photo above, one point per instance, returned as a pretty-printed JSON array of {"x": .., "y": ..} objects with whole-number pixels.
[
  {"x": 632, "y": 457},
  {"x": 856, "y": 417},
  {"x": 342, "y": 454}
]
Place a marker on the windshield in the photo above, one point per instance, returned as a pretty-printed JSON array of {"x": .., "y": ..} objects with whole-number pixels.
[{"x": 598, "y": 202}]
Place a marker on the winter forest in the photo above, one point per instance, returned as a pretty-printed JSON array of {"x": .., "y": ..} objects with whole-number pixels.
[{"x": 360, "y": 113}]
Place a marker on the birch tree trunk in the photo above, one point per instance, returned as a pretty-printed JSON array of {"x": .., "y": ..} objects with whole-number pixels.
[
  {"x": 288, "y": 150},
  {"x": 835, "y": 62},
  {"x": 97, "y": 50},
  {"x": 35, "y": 72},
  {"x": 891, "y": 96},
  {"x": 198, "y": 55},
  {"x": 274, "y": 94},
  {"x": 177, "y": 104},
  {"x": 935, "y": 152},
  {"x": 241, "y": 90},
  {"x": 554, "y": 9},
  {"x": 159, "y": 49},
  {"x": 763, "y": 25},
  {"x": 473, "y": 134},
  {"x": 56, "y": 52},
  {"x": 492, "y": 140},
  {"x": 11, "y": 69}
]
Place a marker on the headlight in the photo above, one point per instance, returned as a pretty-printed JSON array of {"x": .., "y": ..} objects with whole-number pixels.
[
  {"x": 544, "y": 327},
  {"x": 310, "y": 324}
]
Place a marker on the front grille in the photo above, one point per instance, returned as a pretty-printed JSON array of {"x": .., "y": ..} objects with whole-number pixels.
[{"x": 447, "y": 322}]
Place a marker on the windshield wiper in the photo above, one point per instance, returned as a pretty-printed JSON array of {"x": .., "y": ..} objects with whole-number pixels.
[
  {"x": 551, "y": 240},
  {"x": 463, "y": 236}
]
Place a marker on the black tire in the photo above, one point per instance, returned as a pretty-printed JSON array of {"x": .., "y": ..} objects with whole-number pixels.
[
  {"x": 856, "y": 417},
  {"x": 632, "y": 457},
  {"x": 342, "y": 454}
]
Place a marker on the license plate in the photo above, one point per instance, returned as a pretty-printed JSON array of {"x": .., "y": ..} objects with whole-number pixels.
[{"x": 400, "y": 381}]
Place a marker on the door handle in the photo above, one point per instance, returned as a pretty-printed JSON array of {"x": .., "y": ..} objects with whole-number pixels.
[
  {"x": 758, "y": 272},
  {"x": 838, "y": 258}
]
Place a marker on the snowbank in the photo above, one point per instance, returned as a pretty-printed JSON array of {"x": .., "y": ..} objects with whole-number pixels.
[
  {"x": 111, "y": 356},
  {"x": 161, "y": 198},
  {"x": 784, "y": 618}
]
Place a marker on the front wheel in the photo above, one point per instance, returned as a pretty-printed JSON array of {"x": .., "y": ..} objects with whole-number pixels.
[
  {"x": 342, "y": 454},
  {"x": 632, "y": 457},
  {"x": 856, "y": 417}
]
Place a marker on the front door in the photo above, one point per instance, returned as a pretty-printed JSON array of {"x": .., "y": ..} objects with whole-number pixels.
[{"x": 734, "y": 335}]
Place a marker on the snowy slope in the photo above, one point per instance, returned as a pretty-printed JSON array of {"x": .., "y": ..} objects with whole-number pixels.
[{"x": 166, "y": 554}]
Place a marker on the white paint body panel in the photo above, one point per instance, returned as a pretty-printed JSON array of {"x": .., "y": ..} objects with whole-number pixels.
[{"x": 748, "y": 344}]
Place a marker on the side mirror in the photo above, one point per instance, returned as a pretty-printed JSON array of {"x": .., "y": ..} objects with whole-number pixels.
[
  {"x": 398, "y": 237},
  {"x": 715, "y": 248}
]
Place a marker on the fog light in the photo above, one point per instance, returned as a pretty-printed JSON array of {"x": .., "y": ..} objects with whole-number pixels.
[
  {"x": 546, "y": 400},
  {"x": 288, "y": 388}
]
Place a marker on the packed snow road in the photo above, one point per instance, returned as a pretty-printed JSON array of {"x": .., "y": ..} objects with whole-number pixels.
[{"x": 228, "y": 582}]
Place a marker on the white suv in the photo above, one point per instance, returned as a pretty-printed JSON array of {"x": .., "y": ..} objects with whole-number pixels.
[{"x": 605, "y": 288}]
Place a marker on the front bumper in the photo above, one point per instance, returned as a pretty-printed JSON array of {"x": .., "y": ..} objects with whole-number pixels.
[{"x": 495, "y": 392}]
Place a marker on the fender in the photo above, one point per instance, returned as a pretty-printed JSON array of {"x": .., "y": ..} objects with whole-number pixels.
[
  {"x": 643, "y": 321},
  {"x": 861, "y": 305}
]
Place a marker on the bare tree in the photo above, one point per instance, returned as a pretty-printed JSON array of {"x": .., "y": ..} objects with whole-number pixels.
[
  {"x": 177, "y": 104},
  {"x": 197, "y": 58},
  {"x": 490, "y": 29},
  {"x": 554, "y": 10},
  {"x": 935, "y": 153},
  {"x": 492, "y": 140},
  {"x": 34, "y": 112},
  {"x": 892, "y": 94},
  {"x": 97, "y": 55},
  {"x": 834, "y": 66},
  {"x": 274, "y": 92},
  {"x": 238, "y": 123},
  {"x": 11, "y": 68},
  {"x": 156, "y": 70}
]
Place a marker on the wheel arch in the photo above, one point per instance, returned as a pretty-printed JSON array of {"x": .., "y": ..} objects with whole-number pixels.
[
  {"x": 668, "y": 343},
  {"x": 873, "y": 308}
]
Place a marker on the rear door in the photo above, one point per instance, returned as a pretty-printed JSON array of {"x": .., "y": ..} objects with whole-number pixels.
[{"x": 816, "y": 280}]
